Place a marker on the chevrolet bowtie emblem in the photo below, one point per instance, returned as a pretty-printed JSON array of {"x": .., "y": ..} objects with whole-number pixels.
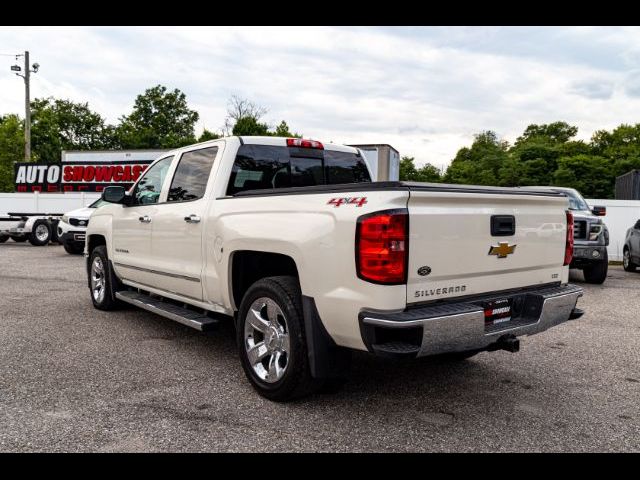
[{"x": 502, "y": 249}]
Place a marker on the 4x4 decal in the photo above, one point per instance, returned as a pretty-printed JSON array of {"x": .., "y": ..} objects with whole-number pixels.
[{"x": 357, "y": 201}]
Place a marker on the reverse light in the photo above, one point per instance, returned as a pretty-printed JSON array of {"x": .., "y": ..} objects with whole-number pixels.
[
  {"x": 568, "y": 249},
  {"x": 303, "y": 143},
  {"x": 382, "y": 247}
]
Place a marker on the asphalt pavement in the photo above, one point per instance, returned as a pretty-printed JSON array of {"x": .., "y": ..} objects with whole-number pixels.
[{"x": 73, "y": 378}]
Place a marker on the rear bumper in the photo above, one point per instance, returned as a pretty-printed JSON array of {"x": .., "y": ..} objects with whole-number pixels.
[{"x": 460, "y": 326}]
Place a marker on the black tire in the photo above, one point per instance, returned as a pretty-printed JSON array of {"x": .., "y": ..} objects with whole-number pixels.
[
  {"x": 19, "y": 238},
  {"x": 3, "y": 238},
  {"x": 597, "y": 273},
  {"x": 111, "y": 283},
  {"x": 73, "y": 248},
  {"x": 40, "y": 225},
  {"x": 627, "y": 264},
  {"x": 296, "y": 381}
]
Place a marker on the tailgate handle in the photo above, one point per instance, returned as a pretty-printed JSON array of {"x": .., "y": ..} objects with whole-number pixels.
[{"x": 503, "y": 225}]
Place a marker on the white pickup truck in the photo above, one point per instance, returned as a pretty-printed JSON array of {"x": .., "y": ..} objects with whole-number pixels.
[{"x": 311, "y": 260}]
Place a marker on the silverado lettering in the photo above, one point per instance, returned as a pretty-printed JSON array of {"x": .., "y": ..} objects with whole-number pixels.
[{"x": 440, "y": 291}]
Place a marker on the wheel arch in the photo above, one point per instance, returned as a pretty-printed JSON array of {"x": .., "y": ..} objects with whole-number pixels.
[{"x": 248, "y": 266}]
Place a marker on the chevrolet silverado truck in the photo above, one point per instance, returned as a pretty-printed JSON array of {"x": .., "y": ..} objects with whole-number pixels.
[
  {"x": 291, "y": 240},
  {"x": 591, "y": 236}
]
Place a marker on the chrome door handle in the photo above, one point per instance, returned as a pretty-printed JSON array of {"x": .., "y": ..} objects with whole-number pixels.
[
  {"x": 145, "y": 219},
  {"x": 192, "y": 219}
]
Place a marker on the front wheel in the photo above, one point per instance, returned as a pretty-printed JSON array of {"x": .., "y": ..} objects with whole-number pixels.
[
  {"x": 627, "y": 264},
  {"x": 3, "y": 238},
  {"x": 597, "y": 273},
  {"x": 271, "y": 339},
  {"x": 101, "y": 280}
]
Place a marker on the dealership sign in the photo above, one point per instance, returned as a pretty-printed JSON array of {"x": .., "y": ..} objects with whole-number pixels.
[{"x": 84, "y": 171}]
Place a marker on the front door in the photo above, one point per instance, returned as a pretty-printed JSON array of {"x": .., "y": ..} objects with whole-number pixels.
[
  {"x": 133, "y": 225},
  {"x": 178, "y": 225}
]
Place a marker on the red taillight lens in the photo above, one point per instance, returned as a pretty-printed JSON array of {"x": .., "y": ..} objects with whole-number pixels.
[
  {"x": 568, "y": 250},
  {"x": 302, "y": 143},
  {"x": 382, "y": 247}
]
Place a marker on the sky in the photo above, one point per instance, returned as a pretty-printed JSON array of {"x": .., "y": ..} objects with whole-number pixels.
[{"x": 424, "y": 90}]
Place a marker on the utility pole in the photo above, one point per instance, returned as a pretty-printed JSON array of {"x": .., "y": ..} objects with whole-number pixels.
[
  {"x": 27, "y": 100},
  {"x": 27, "y": 109}
]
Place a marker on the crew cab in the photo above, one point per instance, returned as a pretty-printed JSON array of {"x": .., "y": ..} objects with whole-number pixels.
[{"x": 291, "y": 240}]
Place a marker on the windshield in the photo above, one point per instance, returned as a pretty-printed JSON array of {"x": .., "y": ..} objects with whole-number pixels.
[
  {"x": 576, "y": 202},
  {"x": 98, "y": 203}
]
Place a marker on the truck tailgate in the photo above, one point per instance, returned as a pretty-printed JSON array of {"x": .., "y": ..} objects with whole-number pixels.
[{"x": 452, "y": 251}]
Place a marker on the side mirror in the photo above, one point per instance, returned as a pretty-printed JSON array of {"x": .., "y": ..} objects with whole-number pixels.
[
  {"x": 599, "y": 211},
  {"x": 114, "y": 194}
]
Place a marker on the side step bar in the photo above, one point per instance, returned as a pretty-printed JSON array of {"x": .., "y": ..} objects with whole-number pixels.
[{"x": 182, "y": 315}]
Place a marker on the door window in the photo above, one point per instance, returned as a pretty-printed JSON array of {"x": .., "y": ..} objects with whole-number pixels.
[
  {"x": 190, "y": 180},
  {"x": 147, "y": 190}
]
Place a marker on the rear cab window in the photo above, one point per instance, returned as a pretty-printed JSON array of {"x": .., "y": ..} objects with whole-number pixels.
[{"x": 259, "y": 167}]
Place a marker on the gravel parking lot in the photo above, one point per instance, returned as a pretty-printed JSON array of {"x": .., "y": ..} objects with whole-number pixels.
[{"x": 76, "y": 379}]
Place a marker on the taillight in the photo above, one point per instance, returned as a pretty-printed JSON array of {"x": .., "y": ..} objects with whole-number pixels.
[
  {"x": 382, "y": 247},
  {"x": 302, "y": 143},
  {"x": 568, "y": 249}
]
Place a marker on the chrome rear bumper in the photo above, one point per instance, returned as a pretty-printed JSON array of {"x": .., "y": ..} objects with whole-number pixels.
[{"x": 460, "y": 326}]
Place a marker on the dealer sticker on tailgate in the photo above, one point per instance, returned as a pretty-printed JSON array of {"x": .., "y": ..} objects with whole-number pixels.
[{"x": 497, "y": 311}]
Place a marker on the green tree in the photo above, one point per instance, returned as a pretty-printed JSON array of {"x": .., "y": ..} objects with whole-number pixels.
[
  {"x": 589, "y": 174},
  {"x": 282, "y": 130},
  {"x": 426, "y": 173},
  {"x": 160, "y": 119},
  {"x": 11, "y": 149},
  {"x": 250, "y": 126},
  {"x": 556, "y": 132},
  {"x": 537, "y": 152},
  {"x": 207, "y": 135},
  {"x": 58, "y": 125},
  {"x": 481, "y": 163}
]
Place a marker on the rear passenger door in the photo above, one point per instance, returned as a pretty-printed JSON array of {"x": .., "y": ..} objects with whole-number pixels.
[{"x": 178, "y": 226}]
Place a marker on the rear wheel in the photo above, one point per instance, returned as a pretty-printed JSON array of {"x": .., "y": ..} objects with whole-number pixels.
[
  {"x": 627, "y": 264},
  {"x": 271, "y": 339},
  {"x": 41, "y": 233},
  {"x": 3, "y": 238},
  {"x": 597, "y": 273}
]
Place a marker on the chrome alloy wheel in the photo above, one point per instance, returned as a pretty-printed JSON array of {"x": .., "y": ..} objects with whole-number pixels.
[
  {"x": 42, "y": 232},
  {"x": 626, "y": 258},
  {"x": 266, "y": 340},
  {"x": 98, "y": 279}
]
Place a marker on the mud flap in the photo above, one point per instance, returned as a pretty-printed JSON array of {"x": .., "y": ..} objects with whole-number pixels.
[{"x": 326, "y": 359}]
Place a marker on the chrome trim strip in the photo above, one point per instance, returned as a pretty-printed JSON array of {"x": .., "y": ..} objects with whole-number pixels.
[
  {"x": 410, "y": 323},
  {"x": 157, "y": 272}
]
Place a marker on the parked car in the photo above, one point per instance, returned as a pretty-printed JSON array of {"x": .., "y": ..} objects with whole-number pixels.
[
  {"x": 291, "y": 240},
  {"x": 631, "y": 249},
  {"x": 590, "y": 233},
  {"x": 72, "y": 227}
]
